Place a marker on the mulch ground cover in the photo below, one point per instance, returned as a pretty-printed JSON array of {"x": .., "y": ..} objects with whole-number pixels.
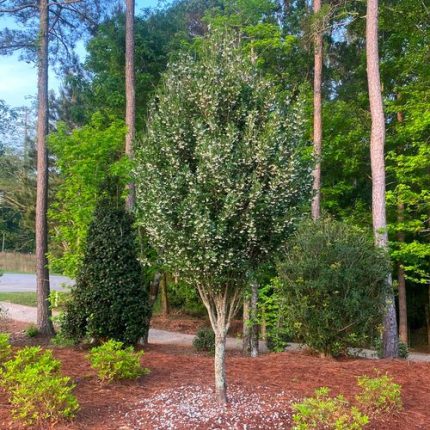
[{"x": 177, "y": 394}]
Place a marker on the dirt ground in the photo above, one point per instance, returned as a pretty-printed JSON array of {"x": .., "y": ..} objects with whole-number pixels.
[{"x": 177, "y": 394}]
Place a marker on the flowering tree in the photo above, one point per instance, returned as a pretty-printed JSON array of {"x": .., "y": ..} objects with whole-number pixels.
[{"x": 221, "y": 177}]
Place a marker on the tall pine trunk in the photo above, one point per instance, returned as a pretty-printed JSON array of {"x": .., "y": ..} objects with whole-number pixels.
[
  {"x": 44, "y": 323},
  {"x": 317, "y": 149},
  {"x": 377, "y": 141},
  {"x": 130, "y": 108},
  {"x": 403, "y": 307}
]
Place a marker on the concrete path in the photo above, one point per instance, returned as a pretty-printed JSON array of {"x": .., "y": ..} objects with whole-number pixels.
[
  {"x": 163, "y": 337},
  {"x": 23, "y": 282}
]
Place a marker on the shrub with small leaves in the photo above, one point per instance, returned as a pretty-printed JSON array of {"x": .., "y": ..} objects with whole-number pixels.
[
  {"x": 32, "y": 331},
  {"x": 112, "y": 361},
  {"x": 37, "y": 390},
  {"x": 5, "y": 348},
  {"x": 325, "y": 412},
  {"x": 205, "y": 340},
  {"x": 379, "y": 394}
]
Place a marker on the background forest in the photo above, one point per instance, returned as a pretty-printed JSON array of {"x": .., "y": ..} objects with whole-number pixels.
[{"x": 87, "y": 127}]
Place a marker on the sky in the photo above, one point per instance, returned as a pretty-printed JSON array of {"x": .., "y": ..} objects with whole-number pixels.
[{"x": 18, "y": 79}]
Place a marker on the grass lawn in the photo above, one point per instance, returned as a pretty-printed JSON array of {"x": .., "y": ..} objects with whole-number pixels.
[{"x": 22, "y": 298}]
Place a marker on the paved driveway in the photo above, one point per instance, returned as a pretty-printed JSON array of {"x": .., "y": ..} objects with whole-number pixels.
[{"x": 15, "y": 282}]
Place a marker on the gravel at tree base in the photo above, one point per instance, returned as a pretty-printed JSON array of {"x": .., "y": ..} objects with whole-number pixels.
[{"x": 177, "y": 392}]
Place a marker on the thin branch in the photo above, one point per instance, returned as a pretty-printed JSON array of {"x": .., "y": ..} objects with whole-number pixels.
[{"x": 19, "y": 8}]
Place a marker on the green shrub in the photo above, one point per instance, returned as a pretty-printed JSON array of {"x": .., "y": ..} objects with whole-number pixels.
[
  {"x": 333, "y": 285},
  {"x": 5, "y": 347},
  {"x": 379, "y": 394},
  {"x": 112, "y": 361},
  {"x": 205, "y": 340},
  {"x": 325, "y": 412},
  {"x": 403, "y": 350},
  {"x": 37, "y": 390},
  {"x": 270, "y": 310},
  {"x": 58, "y": 299},
  {"x": 32, "y": 331},
  {"x": 110, "y": 299}
]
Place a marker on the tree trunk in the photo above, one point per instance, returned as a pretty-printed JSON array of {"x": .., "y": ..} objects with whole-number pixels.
[
  {"x": 254, "y": 317},
  {"x": 403, "y": 309},
  {"x": 427, "y": 310},
  {"x": 44, "y": 323},
  {"x": 163, "y": 296},
  {"x": 246, "y": 337},
  {"x": 219, "y": 366},
  {"x": 130, "y": 108},
  {"x": 377, "y": 141},
  {"x": 318, "y": 63}
]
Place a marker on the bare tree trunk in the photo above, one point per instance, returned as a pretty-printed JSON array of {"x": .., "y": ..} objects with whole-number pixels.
[
  {"x": 219, "y": 366},
  {"x": 130, "y": 108},
  {"x": 246, "y": 337},
  {"x": 318, "y": 63},
  {"x": 427, "y": 310},
  {"x": 44, "y": 323},
  {"x": 403, "y": 309},
  {"x": 254, "y": 316},
  {"x": 154, "y": 287},
  {"x": 163, "y": 296},
  {"x": 377, "y": 141}
]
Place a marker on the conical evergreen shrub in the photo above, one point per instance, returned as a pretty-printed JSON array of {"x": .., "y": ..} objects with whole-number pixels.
[{"x": 110, "y": 299}]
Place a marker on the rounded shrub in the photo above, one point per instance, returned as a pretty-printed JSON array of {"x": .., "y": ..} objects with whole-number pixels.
[
  {"x": 110, "y": 300},
  {"x": 205, "y": 340},
  {"x": 333, "y": 286}
]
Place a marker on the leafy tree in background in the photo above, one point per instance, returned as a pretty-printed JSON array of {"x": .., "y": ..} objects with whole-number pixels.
[
  {"x": 110, "y": 299},
  {"x": 84, "y": 158},
  {"x": 44, "y": 29},
  {"x": 222, "y": 177}
]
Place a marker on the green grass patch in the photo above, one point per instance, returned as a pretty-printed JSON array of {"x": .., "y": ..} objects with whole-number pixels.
[{"x": 27, "y": 298}]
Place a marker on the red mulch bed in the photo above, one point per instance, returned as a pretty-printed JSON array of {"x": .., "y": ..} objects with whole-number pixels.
[
  {"x": 181, "y": 323},
  {"x": 104, "y": 407}
]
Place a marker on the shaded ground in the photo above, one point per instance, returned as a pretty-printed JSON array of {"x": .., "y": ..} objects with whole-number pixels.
[{"x": 177, "y": 393}]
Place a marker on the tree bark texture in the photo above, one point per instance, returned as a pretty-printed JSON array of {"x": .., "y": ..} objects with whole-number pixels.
[
  {"x": 317, "y": 148},
  {"x": 377, "y": 141},
  {"x": 130, "y": 97},
  {"x": 221, "y": 305},
  {"x": 246, "y": 337},
  {"x": 163, "y": 296},
  {"x": 254, "y": 317},
  {"x": 44, "y": 323}
]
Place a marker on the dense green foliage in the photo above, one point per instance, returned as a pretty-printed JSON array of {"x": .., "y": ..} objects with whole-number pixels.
[
  {"x": 85, "y": 158},
  {"x": 37, "y": 391},
  {"x": 379, "y": 395},
  {"x": 110, "y": 299},
  {"x": 324, "y": 411},
  {"x": 113, "y": 361},
  {"x": 333, "y": 286},
  {"x": 204, "y": 340},
  {"x": 5, "y": 347}
]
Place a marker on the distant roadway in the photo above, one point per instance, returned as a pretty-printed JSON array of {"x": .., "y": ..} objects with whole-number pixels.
[{"x": 17, "y": 282}]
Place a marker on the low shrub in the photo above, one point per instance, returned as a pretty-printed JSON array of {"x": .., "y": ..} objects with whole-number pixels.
[
  {"x": 205, "y": 340},
  {"x": 37, "y": 390},
  {"x": 32, "y": 331},
  {"x": 325, "y": 412},
  {"x": 333, "y": 286},
  {"x": 112, "y": 361},
  {"x": 5, "y": 347},
  {"x": 379, "y": 394}
]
